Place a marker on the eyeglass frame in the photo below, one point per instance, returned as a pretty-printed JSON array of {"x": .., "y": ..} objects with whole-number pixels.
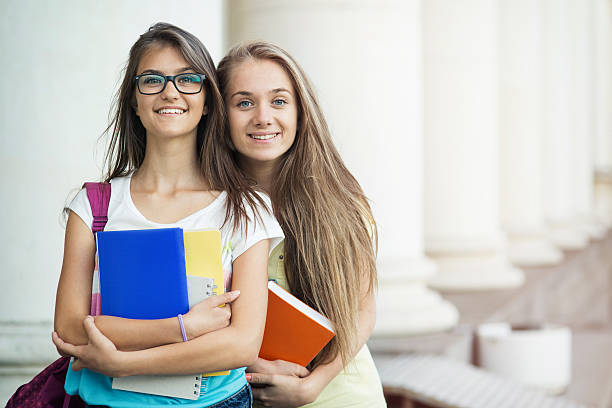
[{"x": 169, "y": 78}]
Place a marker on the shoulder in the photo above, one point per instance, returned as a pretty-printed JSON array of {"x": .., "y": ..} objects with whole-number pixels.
[
  {"x": 260, "y": 224},
  {"x": 80, "y": 206}
]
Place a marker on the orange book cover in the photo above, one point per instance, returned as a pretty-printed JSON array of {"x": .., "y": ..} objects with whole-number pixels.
[{"x": 294, "y": 331}]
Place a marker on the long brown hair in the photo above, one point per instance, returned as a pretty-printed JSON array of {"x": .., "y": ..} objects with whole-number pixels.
[
  {"x": 127, "y": 146},
  {"x": 323, "y": 211}
]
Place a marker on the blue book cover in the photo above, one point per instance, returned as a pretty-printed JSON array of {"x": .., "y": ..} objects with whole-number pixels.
[{"x": 142, "y": 273}]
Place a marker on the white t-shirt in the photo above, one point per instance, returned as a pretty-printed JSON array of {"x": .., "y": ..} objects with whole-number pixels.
[
  {"x": 94, "y": 388},
  {"x": 123, "y": 215}
]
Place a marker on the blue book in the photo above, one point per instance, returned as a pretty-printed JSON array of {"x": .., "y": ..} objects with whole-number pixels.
[
  {"x": 142, "y": 276},
  {"x": 142, "y": 273}
]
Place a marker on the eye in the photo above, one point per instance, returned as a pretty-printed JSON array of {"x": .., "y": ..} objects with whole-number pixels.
[
  {"x": 279, "y": 102},
  {"x": 244, "y": 104},
  {"x": 151, "y": 80},
  {"x": 189, "y": 79}
]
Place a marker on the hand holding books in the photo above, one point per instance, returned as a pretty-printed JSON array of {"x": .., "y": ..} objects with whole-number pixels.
[{"x": 207, "y": 316}]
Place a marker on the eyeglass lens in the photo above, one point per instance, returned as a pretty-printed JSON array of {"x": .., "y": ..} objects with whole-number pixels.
[{"x": 185, "y": 83}]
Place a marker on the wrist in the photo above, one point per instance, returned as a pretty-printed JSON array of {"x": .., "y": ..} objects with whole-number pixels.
[
  {"x": 124, "y": 364},
  {"x": 309, "y": 390},
  {"x": 182, "y": 328}
]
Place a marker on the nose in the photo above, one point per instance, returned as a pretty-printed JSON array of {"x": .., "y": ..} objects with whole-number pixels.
[
  {"x": 263, "y": 116},
  {"x": 170, "y": 91}
]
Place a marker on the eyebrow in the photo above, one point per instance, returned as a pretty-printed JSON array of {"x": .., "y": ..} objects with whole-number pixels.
[
  {"x": 277, "y": 90},
  {"x": 154, "y": 71},
  {"x": 273, "y": 91}
]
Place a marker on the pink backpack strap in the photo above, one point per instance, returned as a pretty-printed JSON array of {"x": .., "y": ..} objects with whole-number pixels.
[{"x": 99, "y": 197}]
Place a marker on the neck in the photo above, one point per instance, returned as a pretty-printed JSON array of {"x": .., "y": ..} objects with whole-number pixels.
[
  {"x": 169, "y": 165},
  {"x": 263, "y": 173}
]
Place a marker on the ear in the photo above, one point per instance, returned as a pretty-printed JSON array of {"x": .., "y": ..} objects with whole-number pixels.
[
  {"x": 134, "y": 104},
  {"x": 205, "y": 110}
]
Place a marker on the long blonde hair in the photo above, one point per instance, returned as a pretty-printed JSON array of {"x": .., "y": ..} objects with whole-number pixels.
[{"x": 326, "y": 218}]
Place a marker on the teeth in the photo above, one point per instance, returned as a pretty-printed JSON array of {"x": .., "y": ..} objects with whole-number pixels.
[
  {"x": 171, "y": 111},
  {"x": 264, "y": 137}
]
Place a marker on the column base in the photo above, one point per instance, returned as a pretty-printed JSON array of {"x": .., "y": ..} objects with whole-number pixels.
[
  {"x": 568, "y": 237},
  {"x": 475, "y": 273},
  {"x": 595, "y": 229},
  {"x": 405, "y": 306},
  {"x": 534, "y": 251},
  {"x": 603, "y": 196}
]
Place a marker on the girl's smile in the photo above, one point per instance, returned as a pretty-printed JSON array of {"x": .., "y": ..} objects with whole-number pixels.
[
  {"x": 263, "y": 136},
  {"x": 171, "y": 111}
]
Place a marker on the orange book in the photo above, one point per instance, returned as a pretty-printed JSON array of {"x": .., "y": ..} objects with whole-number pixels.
[{"x": 294, "y": 331}]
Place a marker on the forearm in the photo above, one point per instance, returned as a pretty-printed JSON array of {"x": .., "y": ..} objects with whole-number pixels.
[
  {"x": 323, "y": 374},
  {"x": 230, "y": 347},
  {"x": 126, "y": 334},
  {"x": 223, "y": 349},
  {"x": 133, "y": 334}
]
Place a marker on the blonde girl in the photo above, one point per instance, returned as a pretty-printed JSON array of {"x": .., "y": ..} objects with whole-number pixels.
[{"x": 281, "y": 141}]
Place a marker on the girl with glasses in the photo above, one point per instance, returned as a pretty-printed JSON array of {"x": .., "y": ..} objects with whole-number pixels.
[
  {"x": 169, "y": 166},
  {"x": 283, "y": 144}
]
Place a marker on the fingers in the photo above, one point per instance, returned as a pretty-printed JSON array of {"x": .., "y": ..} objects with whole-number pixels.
[
  {"x": 62, "y": 347},
  {"x": 260, "y": 379},
  {"x": 91, "y": 329},
  {"x": 259, "y": 394},
  {"x": 227, "y": 297},
  {"x": 289, "y": 368},
  {"x": 259, "y": 366},
  {"x": 300, "y": 371}
]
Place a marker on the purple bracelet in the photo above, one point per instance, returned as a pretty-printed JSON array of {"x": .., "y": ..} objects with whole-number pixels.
[{"x": 180, "y": 318}]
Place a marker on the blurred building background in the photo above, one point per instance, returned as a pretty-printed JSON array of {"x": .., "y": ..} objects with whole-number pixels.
[{"x": 480, "y": 129}]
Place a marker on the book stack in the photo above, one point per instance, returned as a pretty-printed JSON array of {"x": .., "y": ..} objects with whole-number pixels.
[{"x": 157, "y": 274}]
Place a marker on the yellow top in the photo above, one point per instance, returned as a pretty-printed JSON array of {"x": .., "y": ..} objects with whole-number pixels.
[{"x": 358, "y": 384}]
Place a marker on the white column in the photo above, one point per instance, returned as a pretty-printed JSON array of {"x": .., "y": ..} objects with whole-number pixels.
[
  {"x": 582, "y": 107},
  {"x": 602, "y": 31},
  {"x": 462, "y": 228},
  {"x": 520, "y": 124},
  {"x": 559, "y": 161},
  {"x": 369, "y": 85}
]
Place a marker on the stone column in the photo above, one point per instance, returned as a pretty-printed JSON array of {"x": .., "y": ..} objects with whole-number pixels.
[
  {"x": 559, "y": 161},
  {"x": 520, "y": 124},
  {"x": 583, "y": 112},
  {"x": 369, "y": 85},
  {"x": 462, "y": 228},
  {"x": 602, "y": 31}
]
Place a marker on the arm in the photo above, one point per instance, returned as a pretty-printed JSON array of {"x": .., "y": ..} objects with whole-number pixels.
[
  {"x": 280, "y": 383},
  {"x": 74, "y": 298},
  {"x": 228, "y": 348}
]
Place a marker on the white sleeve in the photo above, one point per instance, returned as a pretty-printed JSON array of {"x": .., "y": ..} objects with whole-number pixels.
[
  {"x": 80, "y": 206},
  {"x": 258, "y": 228}
]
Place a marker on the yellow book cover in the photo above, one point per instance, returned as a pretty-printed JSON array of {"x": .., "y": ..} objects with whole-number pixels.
[{"x": 203, "y": 259}]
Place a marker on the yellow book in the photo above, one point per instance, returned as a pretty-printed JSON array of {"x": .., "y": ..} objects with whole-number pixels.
[{"x": 203, "y": 259}]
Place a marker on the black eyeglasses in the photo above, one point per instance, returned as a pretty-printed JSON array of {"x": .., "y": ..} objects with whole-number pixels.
[{"x": 151, "y": 84}]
